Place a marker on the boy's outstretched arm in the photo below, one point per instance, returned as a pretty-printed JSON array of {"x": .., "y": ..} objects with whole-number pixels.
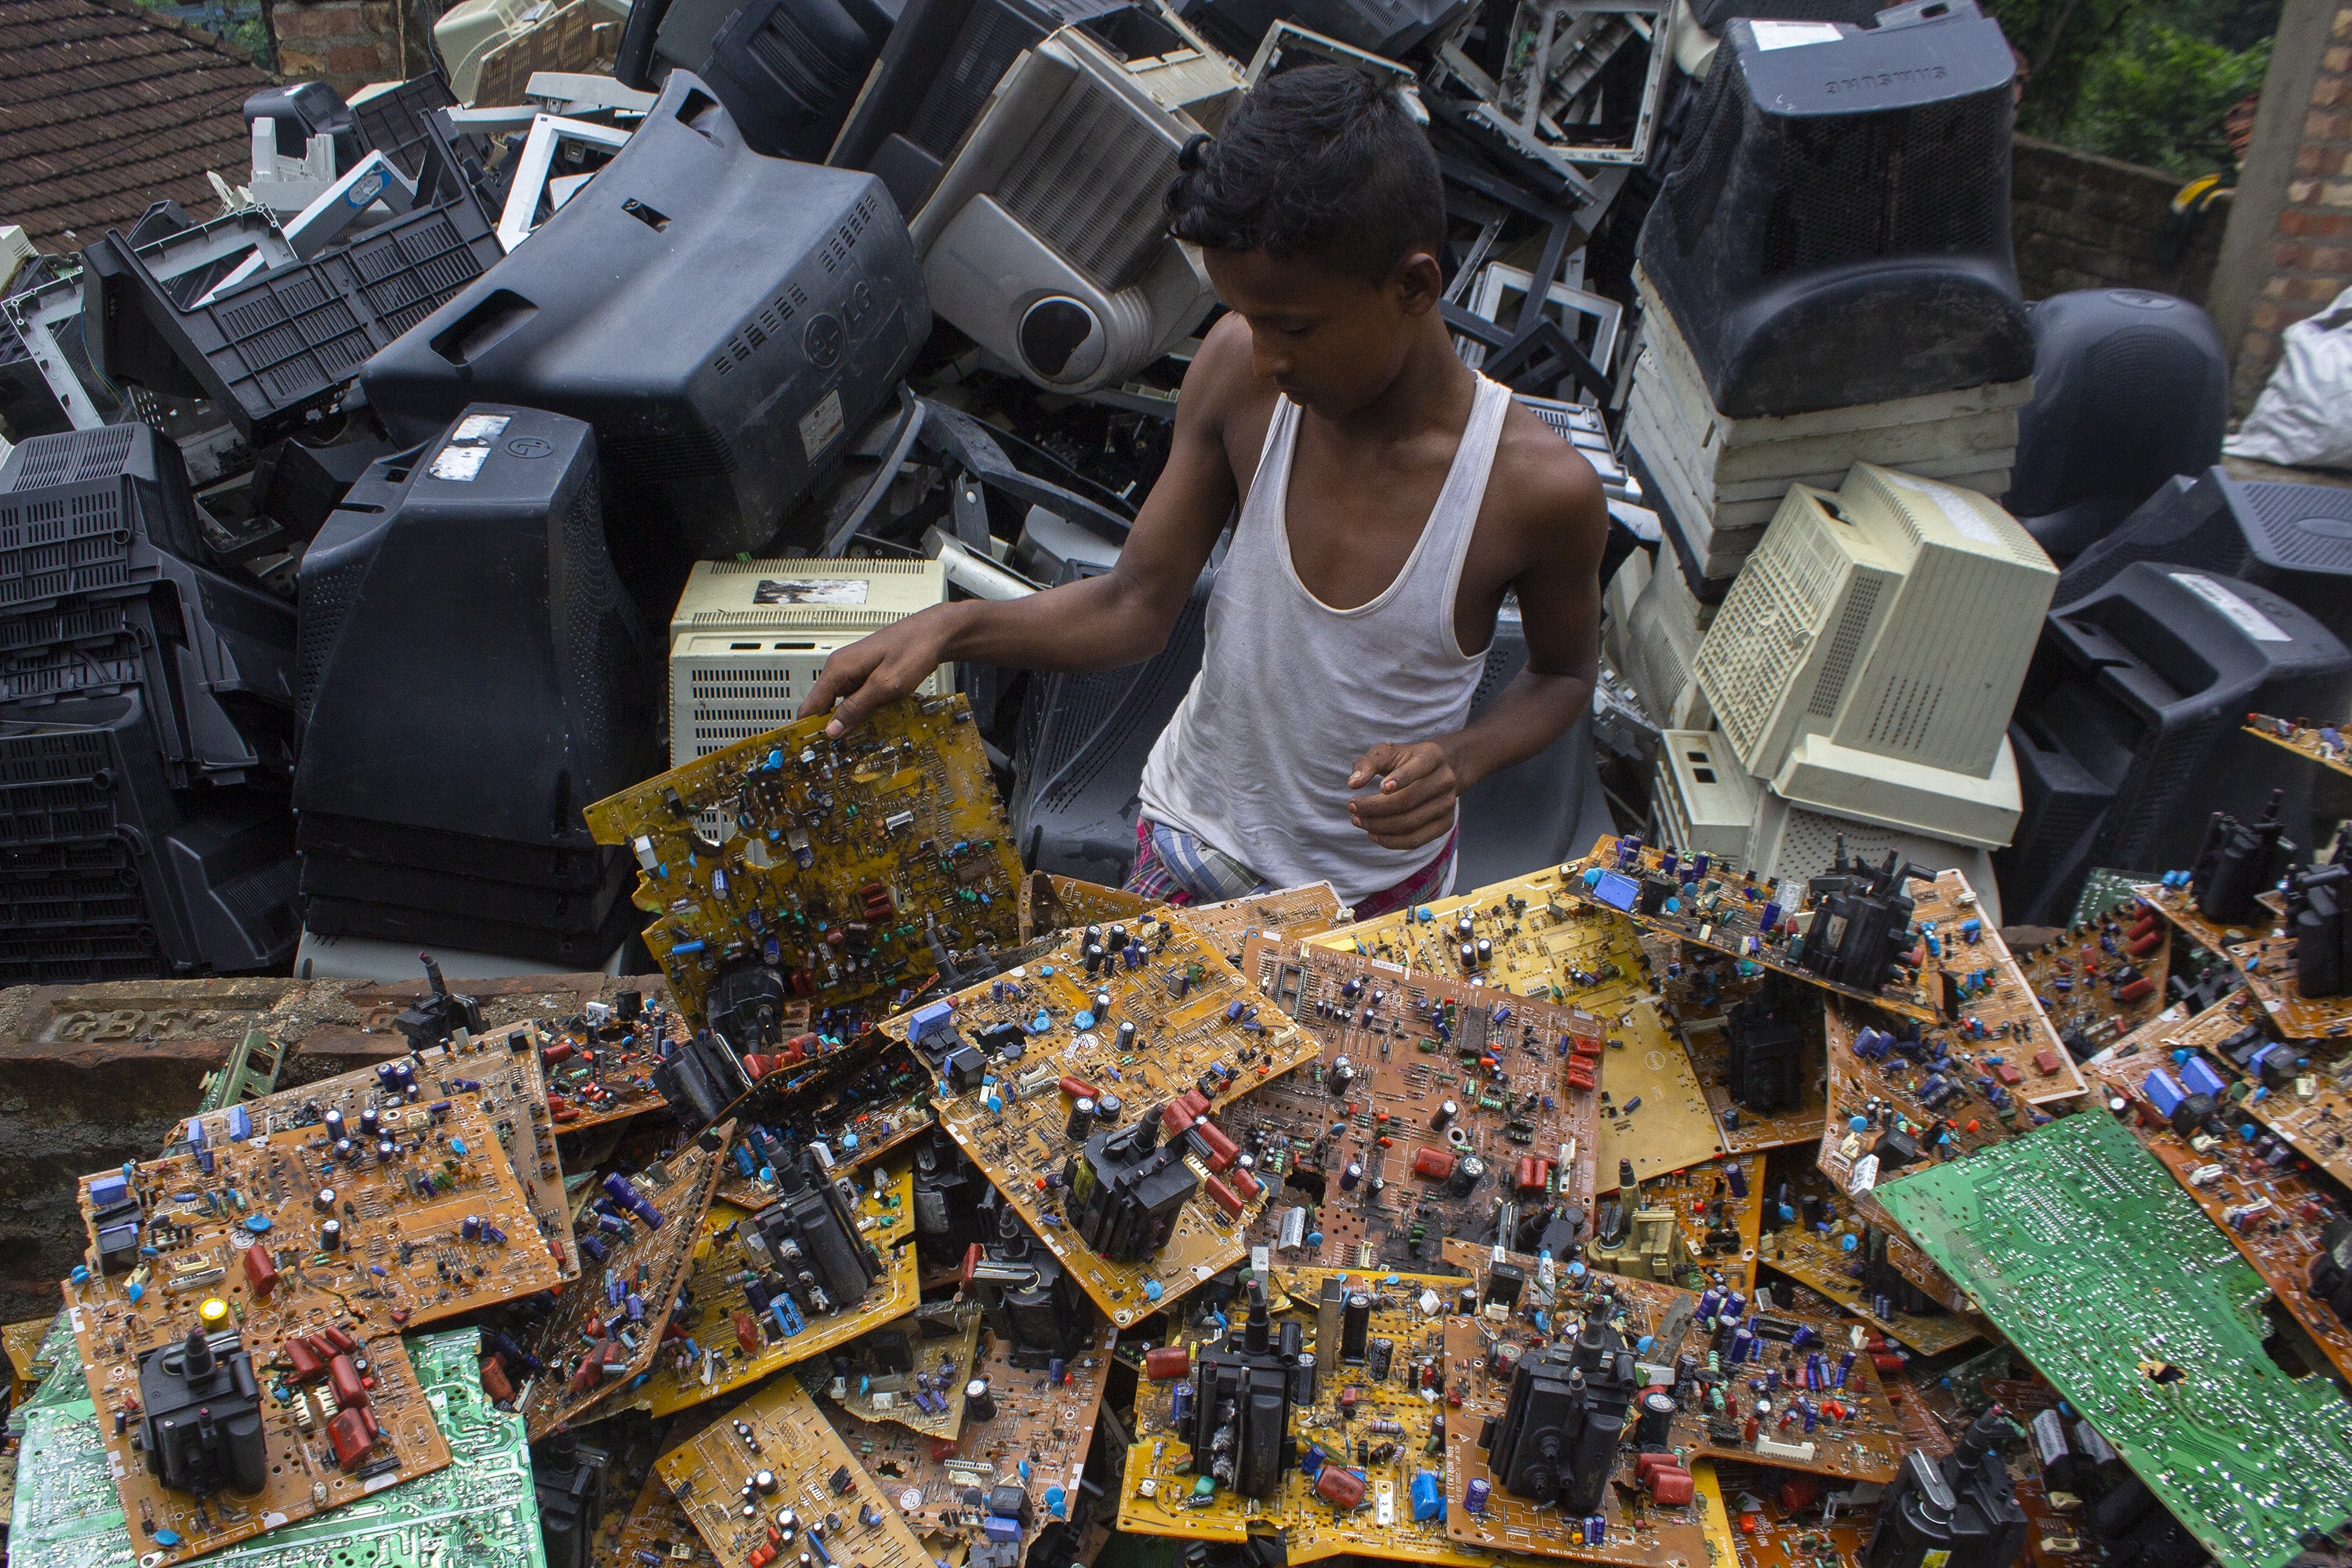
[
  {"x": 1558, "y": 525},
  {"x": 1098, "y": 623}
]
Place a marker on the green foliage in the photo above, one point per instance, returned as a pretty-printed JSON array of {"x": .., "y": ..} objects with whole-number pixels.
[
  {"x": 2144, "y": 81},
  {"x": 2158, "y": 97},
  {"x": 237, "y": 23}
]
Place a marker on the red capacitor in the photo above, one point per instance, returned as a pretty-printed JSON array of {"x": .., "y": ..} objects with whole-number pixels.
[
  {"x": 339, "y": 1339},
  {"x": 1167, "y": 1361},
  {"x": 1077, "y": 1088},
  {"x": 494, "y": 1378},
  {"x": 1583, "y": 1046},
  {"x": 1886, "y": 1361},
  {"x": 1244, "y": 1183},
  {"x": 304, "y": 1354},
  {"x": 1670, "y": 1488},
  {"x": 2135, "y": 990},
  {"x": 1645, "y": 1463},
  {"x": 2146, "y": 923},
  {"x": 762, "y": 1555},
  {"x": 2045, "y": 1062},
  {"x": 1534, "y": 1173},
  {"x": 2009, "y": 1076},
  {"x": 345, "y": 1379},
  {"x": 592, "y": 1368},
  {"x": 1342, "y": 1488},
  {"x": 944, "y": 1448},
  {"x": 2142, "y": 946},
  {"x": 1799, "y": 1492},
  {"x": 1223, "y": 1151},
  {"x": 1435, "y": 1163},
  {"x": 1579, "y": 1075},
  {"x": 1175, "y": 1117},
  {"x": 560, "y": 1051},
  {"x": 349, "y": 1435},
  {"x": 1747, "y": 1430},
  {"x": 260, "y": 1271},
  {"x": 747, "y": 1333},
  {"x": 756, "y": 1068},
  {"x": 800, "y": 1047},
  {"x": 1223, "y": 1196}
]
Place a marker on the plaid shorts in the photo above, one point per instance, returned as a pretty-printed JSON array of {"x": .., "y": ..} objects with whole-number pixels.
[{"x": 1176, "y": 867}]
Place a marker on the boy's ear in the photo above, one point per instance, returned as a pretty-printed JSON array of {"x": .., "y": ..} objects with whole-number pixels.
[{"x": 1419, "y": 282}]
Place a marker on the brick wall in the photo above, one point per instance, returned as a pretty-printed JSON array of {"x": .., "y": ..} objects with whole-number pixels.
[
  {"x": 2081, "y": 221},
  {"x": 344, "y": 43},
  {"x": 2310, "y": 249}
]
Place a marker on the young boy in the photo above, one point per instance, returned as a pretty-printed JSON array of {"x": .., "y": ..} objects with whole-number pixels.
[{"x": 1388, "y": 497}]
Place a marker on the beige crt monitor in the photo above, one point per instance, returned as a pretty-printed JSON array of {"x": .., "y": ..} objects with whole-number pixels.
[
  {"x": 749, "y": 637},
  {"x": 1868, "y": 656}
]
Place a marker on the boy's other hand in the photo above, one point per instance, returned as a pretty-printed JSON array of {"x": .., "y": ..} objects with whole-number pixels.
[
  {"x": 1414, "y": 803},
  {"x": 875, "y": 670}
]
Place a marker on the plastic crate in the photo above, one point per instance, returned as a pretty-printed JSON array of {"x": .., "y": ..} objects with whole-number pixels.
[
  {"x": 392, "y": 121},
  {"x": 107, "y": 873},
  {"x": 279, "y": 349}
]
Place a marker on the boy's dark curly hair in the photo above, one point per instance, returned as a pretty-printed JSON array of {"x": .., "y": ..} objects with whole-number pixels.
[{"x": 1318, "y": 162}]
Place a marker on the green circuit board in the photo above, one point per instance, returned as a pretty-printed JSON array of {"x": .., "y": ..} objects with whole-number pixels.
[
  {"x": 2084, "y": 1251},
  {"x": 479, "y": 1511}
]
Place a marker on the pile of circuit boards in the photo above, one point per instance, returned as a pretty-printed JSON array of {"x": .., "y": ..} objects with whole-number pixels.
[{"x": 925, "y": 1210}]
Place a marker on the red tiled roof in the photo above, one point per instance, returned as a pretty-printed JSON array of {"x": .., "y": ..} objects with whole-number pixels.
[{"x": 106, "y": 107}]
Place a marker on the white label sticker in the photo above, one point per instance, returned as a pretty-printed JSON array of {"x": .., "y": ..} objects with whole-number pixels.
[
  {"x": 1957, "y": 511},
  {"x": 2251, "y": 621},
  {"x": 478, "y": 427},
  {"x": 820, "y": 424},
  {"x": 459, "y": 463},
  {"x": 1792, "y": 35},
  {"x": 802, "y": 591}
]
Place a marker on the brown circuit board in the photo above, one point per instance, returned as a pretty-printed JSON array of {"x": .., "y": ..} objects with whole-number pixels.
[
  {"x": 500, "y": 1069},
  {"x": 1293, "y": 912},
  {"x": 772, "y": 1465},
  {"x": 2314, "y": 1115},
  {"x": 115, "y": 1334},
  {"x": 1997, "y": 1015},
  {"x": 1544, "y": 944},
  {"x": 1410, "y": 1043},
  {"x": 1724, "y": 914},
  {"x": 1720, "y": 1225},
  {"x": 1702, "y": 987},
  {"x": 942, "y": 1340},
  {"x": 1857, "y": 1434},
  {"x": 2273, "y": 1215},
  {"x": 2103, "y": 977},
  {"x": 2178, "y": 905},
  {"x": 604, "y": 1073},
  {"x": 424, "y": 1217},
  {"x": 1044, "y": 1424},
  {"x": 1892, "y": 1093},
  {"x": 710, "y": 1360},
  {"x": 2321, "y": 744},
  {"x": 654, "y": 1534},
  {"x": 2268, "y": 963},
  {"x": 1380, "y": 1425},
  {"x": 849, "y": 864},
  {"x": 859, "y": 1116},
  {"x": 1051, "y": 902},
  {"x": 1762, "y": 1532},
  {"x": 1194, "y": 1025},
  {"x": 584, "y": 1343}
]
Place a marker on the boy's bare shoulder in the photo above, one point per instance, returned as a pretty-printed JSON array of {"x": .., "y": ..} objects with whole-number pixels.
[
  {"x": 1224, "y": 376},
  {"x": 1543, "y": 486}
]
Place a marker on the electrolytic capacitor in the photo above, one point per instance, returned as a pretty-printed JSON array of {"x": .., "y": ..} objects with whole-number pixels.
[
  {"x": 1125, "y": 1034},
  {"x": 1445, "y": 1113},
  {"x": 1656, "y": 1418},
  {"x": 368, "y": 1123},
  {"x": 1107, "y": 1108},
  {"x": 1082, "y": 1120},
  {"x": 331, "y": 1236},
  {"x": 1352, "y": 1175},
  {"x": 333, "y": 1122},
  {"x": 979, "y": 1403},
  {"x": 1094, "y": 959},
  {"x": 324, "y": 1200}
]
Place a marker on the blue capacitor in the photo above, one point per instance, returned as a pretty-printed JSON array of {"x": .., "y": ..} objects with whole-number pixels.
[
  {"x": 2163, "y": 1091},
  {"x": 2199, "y": 1078},
  {"x": 1428, "y": 1498}
]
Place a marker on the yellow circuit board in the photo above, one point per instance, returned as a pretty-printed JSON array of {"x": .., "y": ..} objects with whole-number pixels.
[
  {"x": 1857, "y": 1432},
  {"x": 304, "y": 1479},
  {"x": 1726, "y": 915},
  {"x": 757, "y": 1481},
  {"x": 711, "y": 1360},
  {"x": 1033, "y": 1421},
  {"x": 423, "y": 1214},
  {"x": 1194, "y": 1025},
  {"x": 1368, "y": 1161},
  {"x": 28, "y": 1367},
  {"x": 2321, "y": 744},
  {"x": 2273, "y": 1216},
  {"x": 1051, "y": 902},
  {"x": 1720, "y": 1225},
  {"x": 584, "y": 1343},
  {"x": 1701, "y": 989},
  {"x": 1354, "y": 1417},
  {"x": 1818, "y": 1263},
  {"x": 500, "y": 1069},
  {"x": 653, "y": 1523},
  {"x": 599, "y": 1075},
  {"x": 871, "y": 1394},
  {"x": 840, "y": 862}
]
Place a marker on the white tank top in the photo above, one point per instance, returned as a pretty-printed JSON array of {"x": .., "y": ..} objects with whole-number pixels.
[{"x": 1292, "y": 691}]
